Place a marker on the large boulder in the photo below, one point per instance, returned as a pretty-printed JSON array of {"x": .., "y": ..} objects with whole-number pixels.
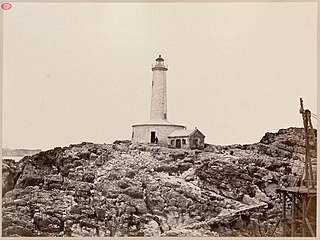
[{"x": 30, "y": 176}]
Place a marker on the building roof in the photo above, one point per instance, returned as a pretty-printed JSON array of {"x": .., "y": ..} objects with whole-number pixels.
[
  {"x": 158, "y": 122},
  {"x": 184, "y": 133}
]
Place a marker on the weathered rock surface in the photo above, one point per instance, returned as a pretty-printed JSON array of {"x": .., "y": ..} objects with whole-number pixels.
[
  {"x": 9, "y": 175},
  {"x": 125, "y": 189}
]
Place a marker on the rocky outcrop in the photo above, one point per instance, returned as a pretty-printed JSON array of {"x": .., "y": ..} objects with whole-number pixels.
[
  {"x": 288, "y": 143},
  {"x": 125, "y": 189},
  {"x": 9, "y": 175}
]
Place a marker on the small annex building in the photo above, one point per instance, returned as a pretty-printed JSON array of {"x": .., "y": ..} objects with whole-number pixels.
[{"x": 187, "y": 139}]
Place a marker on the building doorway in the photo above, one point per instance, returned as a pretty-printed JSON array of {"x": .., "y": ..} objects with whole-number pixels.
[
  {"x": 178, "y": 143},
  {"x": 196, "y": 143},
  {"x": 153, "y": 137}
]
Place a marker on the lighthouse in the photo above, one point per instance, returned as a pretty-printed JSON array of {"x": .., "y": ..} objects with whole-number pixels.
[
  {"x": 159, "y": 91},
  {"x": 158, "y": 128}
]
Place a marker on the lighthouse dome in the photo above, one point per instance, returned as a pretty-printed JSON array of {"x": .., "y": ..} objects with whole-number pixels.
[{"x": 160, "y": 59}]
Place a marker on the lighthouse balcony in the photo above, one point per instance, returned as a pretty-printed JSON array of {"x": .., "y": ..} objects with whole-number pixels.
[{"x": 159, "y": 67}]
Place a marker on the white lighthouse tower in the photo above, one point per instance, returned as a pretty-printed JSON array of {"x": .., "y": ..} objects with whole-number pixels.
[
  {"x": 159, "y": 91},
  {"x": 157, "y": 129}
]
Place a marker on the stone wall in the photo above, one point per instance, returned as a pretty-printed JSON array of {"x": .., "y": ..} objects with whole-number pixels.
[{"x": 142, "y": 133}]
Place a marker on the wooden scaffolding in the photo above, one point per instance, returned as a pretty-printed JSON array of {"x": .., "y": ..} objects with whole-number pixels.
[{"x": 301, "y": 222}]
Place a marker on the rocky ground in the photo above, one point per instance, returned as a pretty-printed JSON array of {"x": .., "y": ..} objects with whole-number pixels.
[{"x": 125, "y": 189}]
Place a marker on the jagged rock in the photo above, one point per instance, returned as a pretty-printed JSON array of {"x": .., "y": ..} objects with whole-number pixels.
[
  {"x": 167, "y": 168},
  {"x": 125, "y": 189},
  {"x": 178, "y": 155},
  {"x": 78, "y": 176},
  {"x": 20, "y": 202},
  {"x": 29, "y": 179},
  {"x": 93, "y": 157},
  {"x": 123, "y": 184},
  {"x": 140, "y": 206},
  {"x": 18, "y": 231},
  {"x": 151, "y": 229},
  {"x": 249, "y": 200},
  {"x": 88, "y": 177},
  {"x": 41, "y": 221},
  {"x": 78, "y": 162},
  {"x": 184, "y": 166},
  {"x": 260, "y": 195},
  {"x": 87, "y": 222},
  {"x": 9, "y": 175},
  {"x": 52, "y": 181},
  {"x": 271, "y": 190},
  {"x": 131, "y": 173}
]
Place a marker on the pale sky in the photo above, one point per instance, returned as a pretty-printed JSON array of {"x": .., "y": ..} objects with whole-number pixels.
[{"x": 78, "y": 72}]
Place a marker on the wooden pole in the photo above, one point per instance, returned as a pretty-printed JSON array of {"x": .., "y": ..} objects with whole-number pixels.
[
  {"x": 293, "y": 224},
  {"x": 308, "y": 153},
  {"x": 284, "y": 214},
  {"x": 275, "y": 228},
  {"x": 311, "y": 127},
  {"x": 303, "y": 216},
  {"x": 305, "y": 124}
]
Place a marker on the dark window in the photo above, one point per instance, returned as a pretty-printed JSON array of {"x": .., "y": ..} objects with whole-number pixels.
[
  {"x": 196, "y": 142},
  {"x": 165, "y": 116},
  {"x": 183, "y": 141},
  {"x": 132, "y": 134},
  {"x": 153, "y": 137},
  {"x": 172, "y": 142},
  {"x": 178, "y": 143}
]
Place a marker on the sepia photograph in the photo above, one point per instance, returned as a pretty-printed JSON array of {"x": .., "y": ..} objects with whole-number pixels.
[{"x": 159, "y": 119}]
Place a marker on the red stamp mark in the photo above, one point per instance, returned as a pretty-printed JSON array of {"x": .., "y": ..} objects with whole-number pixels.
[{"x": 6, "y": 6}]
